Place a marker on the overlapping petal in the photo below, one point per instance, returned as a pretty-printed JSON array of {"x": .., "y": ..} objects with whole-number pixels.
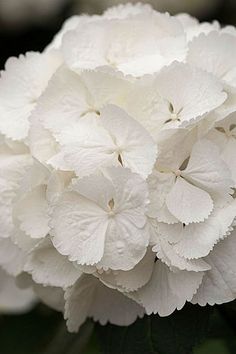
[{"x": 104, "y": 220}]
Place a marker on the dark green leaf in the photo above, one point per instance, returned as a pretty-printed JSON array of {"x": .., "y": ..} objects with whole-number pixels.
[
  {"x": 29, "y": 333},
  {"x": 216, "y": 346},
  {"x": 175, "y": 334},
  {"x": 42, "y": 331},
  {"x": 70, "y": 343}
]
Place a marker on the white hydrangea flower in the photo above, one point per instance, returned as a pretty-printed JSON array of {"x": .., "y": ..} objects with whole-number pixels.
[
  {"x": 219, "y": 49},
  {"x": 14, "y": 162},
  {"x": 138, "y": 48},
  {"x": 49, "y": 268},
  {"x": 190, "y": 241},
  {"x": 224, "y": 135},
  {"x": 167, "y": 290},
  {"x": 22, "y": 83},
  {"x": 189, "y": 180},
  {"x": 178, "y": 96},
  {"x": 103, "y": 218},
  {"x": 68, "y": 98},
  {"x": 219, "y": 285},
  {"x": 113, "y": 139},
  {"x": 90, "y": 298},
  {"x": 117, "y": 187}
]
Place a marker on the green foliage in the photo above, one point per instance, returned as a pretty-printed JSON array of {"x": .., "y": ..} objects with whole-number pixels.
[
  {"x": 28, "y": 333},
  {"x": 178, "y": 333},
  {"x": 193, "y": 330}
]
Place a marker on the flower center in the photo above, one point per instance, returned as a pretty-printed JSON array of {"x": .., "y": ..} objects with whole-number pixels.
[
  {"x": 174, "y": 116},
  {"x": 111, "y": 205},
  {"x": 178, "y": 173},
  {"x": 90, "y": 110},
  {"x": 120, "y": 159},
  {"x": 228, "y": 132}
]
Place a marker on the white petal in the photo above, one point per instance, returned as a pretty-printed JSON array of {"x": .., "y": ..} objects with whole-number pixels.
[
  {"x": 125, "y": 245},
  {"x": 187, "y": 20},
  {"x": 229, "y": 106},
  {"x": 97, "y": 188},
  {"x": 57, "y": 183},
  {"x": 160, "y": 185},
  {"x": 126, "y": 10},
  {"x": 219, "y": 283},
  {"x": 82, "y": 54},
  {"x": 167, "y": 291},
  {"x": 214, "y": 52},
  {"x": 87, "y": 146},
  {"x": 197, "y": 240},
  {"x": 79, "y": 228},
  {"x": 202, "y": 28},
  {"x": 42, "y": 144},
  {"x": 127, "y": 235},
  {"x": 12, "y": 169},
  {"x": 145, "y": 104},
  {"x": 167, "y": 253},
  {"x": 50, "y": 268},
  {"x": 133, "y": 279},
  {"x": 139, "y": 275},
  {"x": 177, "y": 96},
  {"x": 12, "y": 259},
  {"x": 172, "y": 233},
  {"x": 90, "y": 298},
  {"x": 78, "y": 300},
  {"x": 136, "y": 147},
  {"x": 94, "y": 143},
  {"x": 108, "y": 87},
  {"x": 191, "y": 92},
  {"x": 188, "y": 203},
  {"x": 175, "y": 146},
  {"x": 228, "y": 155},
  {"x": 207, "y": 170},
  {"x": 63, "y": 101},
  {"x": 130, "y": 45},
  {"x": 114, "y": 238},
  {"x": 69, "y": 24},
  {"x": 32, "y": 214},
  {"x": 21, "y": 84},
  {"x": 36, "y": 176},
  {"x": 112, "y": 306},
  {"x": 24, "y": 241}
]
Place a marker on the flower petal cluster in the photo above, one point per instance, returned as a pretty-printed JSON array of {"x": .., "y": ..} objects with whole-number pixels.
[{"x": 118, "y": 166}]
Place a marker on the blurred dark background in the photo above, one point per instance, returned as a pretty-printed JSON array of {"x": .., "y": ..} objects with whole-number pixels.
[{"x": 30, "y": 25}]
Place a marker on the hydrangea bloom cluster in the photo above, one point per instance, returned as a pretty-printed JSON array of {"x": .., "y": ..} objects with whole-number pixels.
[{"x": 118, "y": 166}]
